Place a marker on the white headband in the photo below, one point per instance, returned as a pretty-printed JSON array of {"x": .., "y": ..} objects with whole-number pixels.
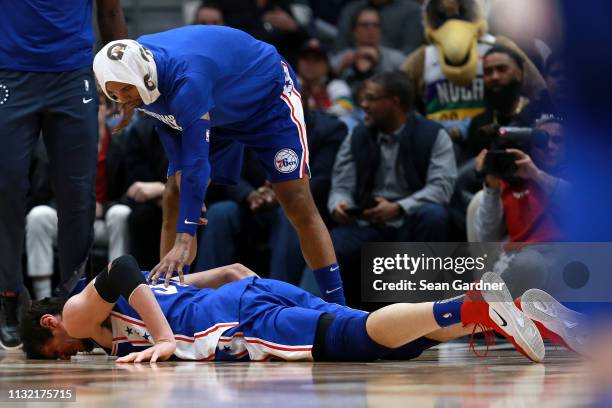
[{"x": 128, "y": 62}]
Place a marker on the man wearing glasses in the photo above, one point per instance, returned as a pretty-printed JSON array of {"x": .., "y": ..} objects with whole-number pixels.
[{"x": 393, "y": 177}]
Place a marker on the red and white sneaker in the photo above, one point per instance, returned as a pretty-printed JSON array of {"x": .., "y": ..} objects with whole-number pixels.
[
  {"x": 556, "y": 323},
  {"x": 494, "y": 310}
]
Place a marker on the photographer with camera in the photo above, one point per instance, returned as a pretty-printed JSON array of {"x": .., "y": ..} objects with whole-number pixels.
[
  {"x": 522, "y": 188},
  {"x": 393, "y": 178},
  {"x": 521, "y": 200}
]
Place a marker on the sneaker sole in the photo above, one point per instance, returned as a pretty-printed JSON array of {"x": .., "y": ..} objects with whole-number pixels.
[
  {"x": 5, "y": 347},
  {"x": 568, "y": 324},
  {"x": 518, "y": 325}
]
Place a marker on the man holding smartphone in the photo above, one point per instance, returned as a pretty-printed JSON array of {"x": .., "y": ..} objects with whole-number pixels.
[{"x": 393, "y": 177}]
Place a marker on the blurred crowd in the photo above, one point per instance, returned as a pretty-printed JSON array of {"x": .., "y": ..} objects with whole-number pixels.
[{"x": 423, "y": 124}]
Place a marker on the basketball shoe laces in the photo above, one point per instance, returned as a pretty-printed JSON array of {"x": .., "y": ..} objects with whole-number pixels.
[{"x": 489, "y": 336}]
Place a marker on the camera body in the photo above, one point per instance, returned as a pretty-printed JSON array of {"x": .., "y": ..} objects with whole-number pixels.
[{"x": 498, "y": 162}]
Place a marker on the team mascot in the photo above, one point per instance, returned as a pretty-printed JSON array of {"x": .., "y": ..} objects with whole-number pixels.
[{"x": 448, "y": 72}]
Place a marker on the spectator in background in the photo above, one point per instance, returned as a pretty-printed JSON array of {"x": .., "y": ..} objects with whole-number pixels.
[
  {"x": 282, "y": 23},
  {"x": 146, "y": 167},
  {"x": 110, "y": 226},
  {"x": 326, "y": 94},
  {"x": 503, "y": 76},
  {"x": 448, "y": 73},
  {"x": 392, "y": 179},
  {"x": 401, "y": 26},
  {"x": 329, "y": 10},
  {"x": 552, "y": 99},
  {"x": 209, "y": 13},
  {"x": 367, "y": 57},
  {"x": 525, "y": 209}
]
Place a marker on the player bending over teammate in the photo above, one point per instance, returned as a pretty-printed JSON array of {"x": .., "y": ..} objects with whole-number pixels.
[
  {"x": 219, "y": 90},
  {"x": 229, "y": 313}
]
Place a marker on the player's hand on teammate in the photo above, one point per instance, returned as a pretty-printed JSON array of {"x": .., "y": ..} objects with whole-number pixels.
[
  {"x": 173, "y": 261},
  {"x": 384, "y": 211},
  {"x": 161, "y": 351}
]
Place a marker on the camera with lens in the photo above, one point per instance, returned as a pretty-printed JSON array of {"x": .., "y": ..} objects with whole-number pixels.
[{"x": 498, "y": 162}]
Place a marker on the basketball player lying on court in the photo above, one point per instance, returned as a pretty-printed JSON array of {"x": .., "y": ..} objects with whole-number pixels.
[{"x": 229, "y": 313}]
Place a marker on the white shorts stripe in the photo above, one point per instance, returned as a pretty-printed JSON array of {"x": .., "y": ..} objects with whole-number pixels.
[{"x": 294, "y": 101}]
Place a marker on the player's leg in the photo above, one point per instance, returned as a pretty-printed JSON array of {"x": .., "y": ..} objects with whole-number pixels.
[
  {"x": 20, "y": 104},
  {"x": 316, "y": 244},
  {"x": 290, "y": 323},
  {"x": 70, "y": 132},
  {"x": 395, "y": 326},
  {"x": 279, "y": 138}
]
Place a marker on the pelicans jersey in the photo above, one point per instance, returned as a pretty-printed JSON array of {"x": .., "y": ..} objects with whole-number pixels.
[{"x": 447, "y": 102}]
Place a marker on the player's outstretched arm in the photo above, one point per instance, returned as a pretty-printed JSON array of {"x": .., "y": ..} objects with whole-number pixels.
[
  {"x": 143, "y": 301},
  {"x": 214, "y": 278},
  {"x": 194, "y": 179},
  {"x": 85, "y": 313}
]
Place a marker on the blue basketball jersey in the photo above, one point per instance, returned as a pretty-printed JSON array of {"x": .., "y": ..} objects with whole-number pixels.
[
  {"x": 212, "y": 69},
  {"x": 252, "y": 319},
  {"x": 46, "y": 36},
  {"x": 197, "y": 317}
]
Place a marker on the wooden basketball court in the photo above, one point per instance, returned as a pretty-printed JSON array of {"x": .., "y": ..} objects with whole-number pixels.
[{"x": 448, "y": 376}]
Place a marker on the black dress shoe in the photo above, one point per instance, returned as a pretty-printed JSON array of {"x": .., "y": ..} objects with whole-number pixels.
[{"x": 9, "y": 336}]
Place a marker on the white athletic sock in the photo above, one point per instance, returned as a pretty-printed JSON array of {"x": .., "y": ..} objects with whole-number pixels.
[{"x": 42, "y": 287}]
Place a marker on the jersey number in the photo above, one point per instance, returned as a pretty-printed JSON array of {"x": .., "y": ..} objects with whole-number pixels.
[{"x": 170, "y": 290}]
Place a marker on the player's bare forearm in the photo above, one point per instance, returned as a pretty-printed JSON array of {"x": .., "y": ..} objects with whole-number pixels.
[
  {"x": 217, "y": 277},
  {"x": 111, "y": 20},
  {"x": 184, "y": 241},
  {"x": 143, "y": 301}
]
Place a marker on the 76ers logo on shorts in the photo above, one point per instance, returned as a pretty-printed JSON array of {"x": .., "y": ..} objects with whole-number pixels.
[{"x": 286, "y": 160}]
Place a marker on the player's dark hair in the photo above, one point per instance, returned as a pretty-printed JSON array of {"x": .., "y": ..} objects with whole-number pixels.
[
  {"x": 33, "y": 335},
  {"x": 501, "y": 49},
  {"x": 362, "y": 10},
  {"x": 397, "y": 83}
]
